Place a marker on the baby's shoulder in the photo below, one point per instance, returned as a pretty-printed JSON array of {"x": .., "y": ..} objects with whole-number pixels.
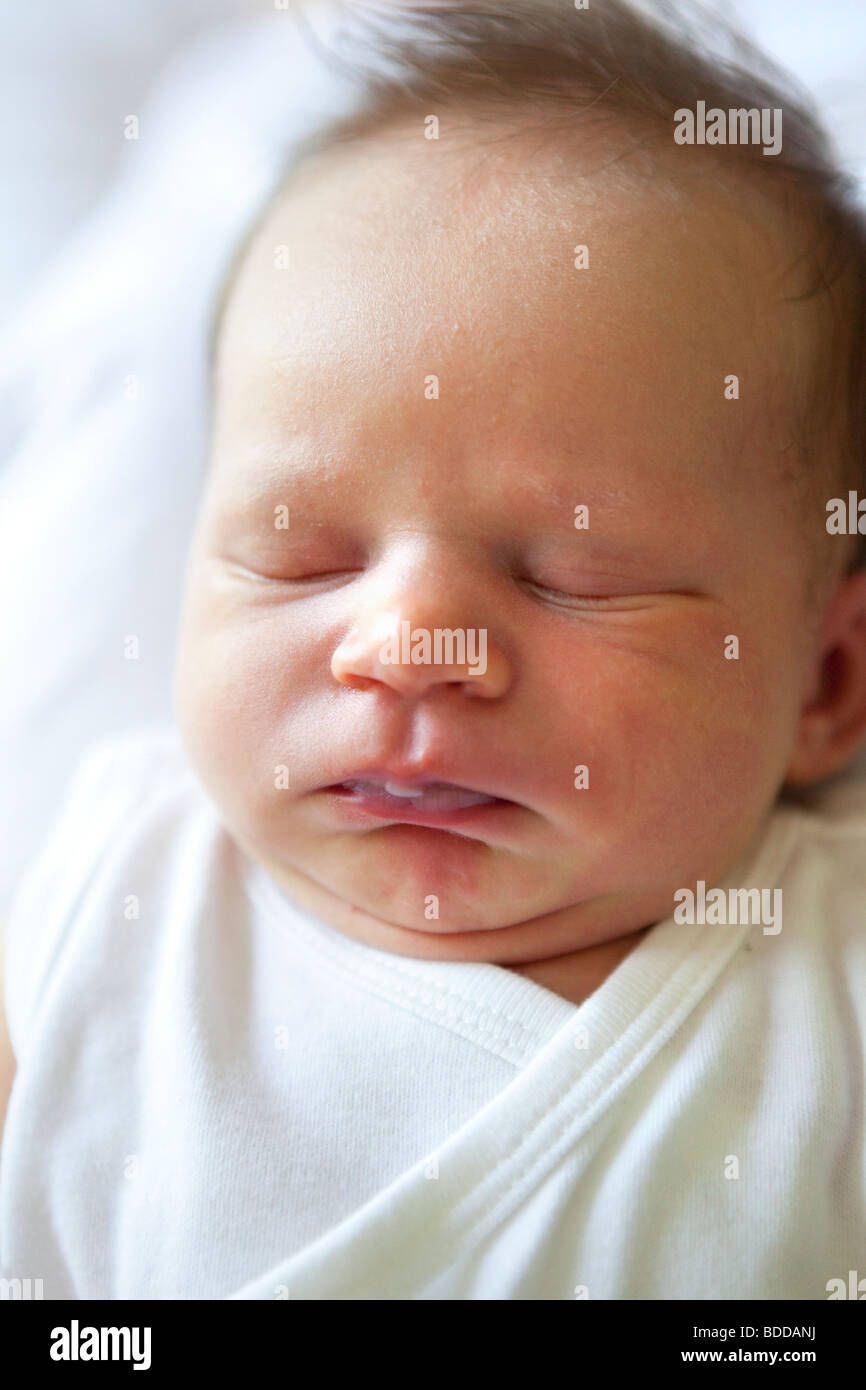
[
  {"x": 115, "y": 785},
  {"x": 126, "y": 764},
  {"x": 116, "y": 844},
  {"x": 831, "y": 825},
  {"x": 824, "y": 881}
]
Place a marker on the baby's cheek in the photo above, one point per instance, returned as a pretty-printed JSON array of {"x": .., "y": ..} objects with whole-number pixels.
[
  {"x": 718, "y": 752},
  {"x": 221, "y": 705},
  {"x": 252, "y": 721},
  {"x": 675, "y": 746}
]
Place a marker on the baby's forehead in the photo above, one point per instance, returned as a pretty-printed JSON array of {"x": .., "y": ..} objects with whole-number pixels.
[
  {"x": 486, "y": 258},
  {"x": 414, "y": 223}
]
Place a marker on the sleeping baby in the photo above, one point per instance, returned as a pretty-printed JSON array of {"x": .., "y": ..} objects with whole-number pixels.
[{"x": 490, "y": 925}]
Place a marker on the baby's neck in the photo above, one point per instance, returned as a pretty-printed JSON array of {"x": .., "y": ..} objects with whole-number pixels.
[{"x": 575, "y": 977}]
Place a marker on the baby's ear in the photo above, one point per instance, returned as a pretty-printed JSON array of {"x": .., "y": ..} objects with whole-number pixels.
[{"x": 832, "y": 721}]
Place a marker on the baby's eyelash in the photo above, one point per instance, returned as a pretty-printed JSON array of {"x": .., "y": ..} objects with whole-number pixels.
[
  {"x": 599, "y": 599},
  {"x": 299, "y": 579},
  {"x": 589, "y": 598},
  {"x": 325, "y": 579}
]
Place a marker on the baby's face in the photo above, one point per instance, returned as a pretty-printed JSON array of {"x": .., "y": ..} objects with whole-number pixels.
[{"x": 427, "y": 393}]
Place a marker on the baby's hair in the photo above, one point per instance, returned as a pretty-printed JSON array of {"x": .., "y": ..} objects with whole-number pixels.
[{"x": 564, "y": 70}]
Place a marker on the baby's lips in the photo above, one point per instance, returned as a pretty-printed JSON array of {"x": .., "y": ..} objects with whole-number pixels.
[
  {"x": 413, "y": 787},
  {"x": 430, "y": 796}
]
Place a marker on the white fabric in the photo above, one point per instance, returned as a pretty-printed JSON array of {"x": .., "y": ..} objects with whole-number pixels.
[
  {"x": 98, "y": 488},
  {"x": 221, "y": 1097},
  {"x": 271, "y": 1077}
]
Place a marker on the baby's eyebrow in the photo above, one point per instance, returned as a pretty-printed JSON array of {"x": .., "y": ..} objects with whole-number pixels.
[
  {"x": 565, "y": 510},
  {"x": 605, "y": 553},
  {"x": 614, "y": 561}
]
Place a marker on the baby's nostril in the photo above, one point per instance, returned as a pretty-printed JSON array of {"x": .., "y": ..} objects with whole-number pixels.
[{"x": 355, "y": 682}]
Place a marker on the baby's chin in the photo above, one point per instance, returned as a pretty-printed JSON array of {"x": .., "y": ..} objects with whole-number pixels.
[
  {"x": 492, "y": 925},
  {"x": 399, "y": 915}
]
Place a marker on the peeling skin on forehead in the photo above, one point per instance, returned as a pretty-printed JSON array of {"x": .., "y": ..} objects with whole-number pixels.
[{"x": 402, "y": 251}]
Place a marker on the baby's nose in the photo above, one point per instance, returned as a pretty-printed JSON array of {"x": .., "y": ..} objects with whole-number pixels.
[{"x": 412, "y": 657}]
